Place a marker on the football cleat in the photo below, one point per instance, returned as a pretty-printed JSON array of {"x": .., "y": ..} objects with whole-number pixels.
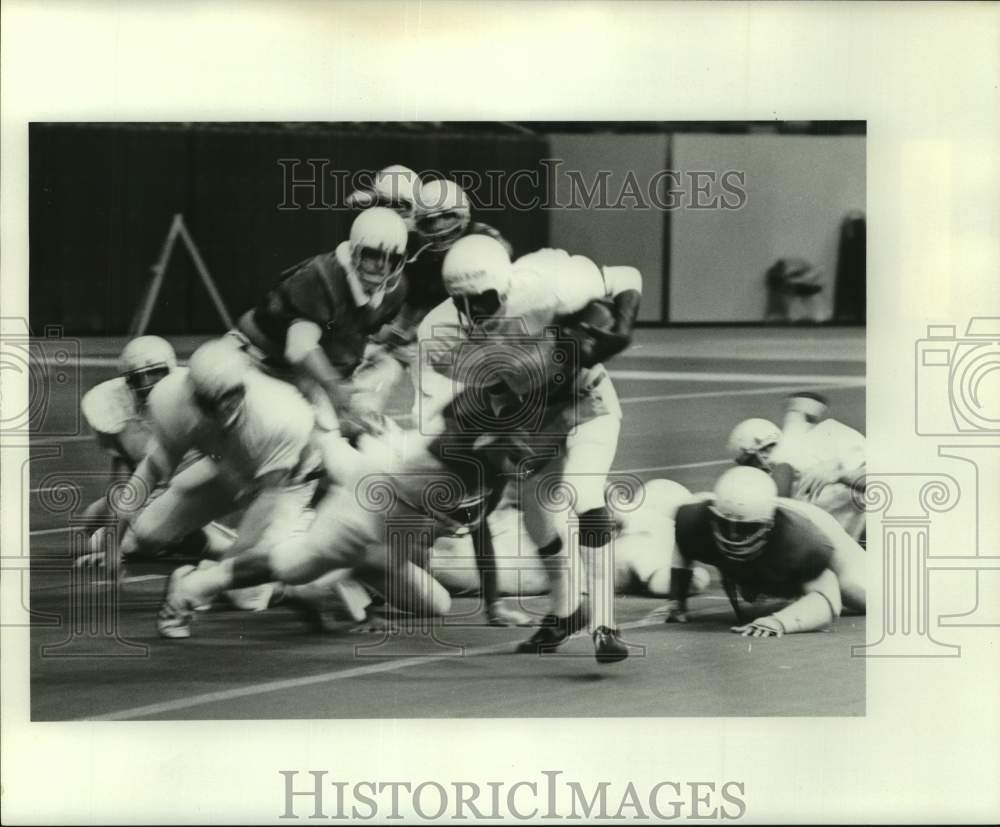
[
  {"x": 608, "y": 646},
  {"x": 553, "y": 632},
  {"x": 174, "y": 618}
]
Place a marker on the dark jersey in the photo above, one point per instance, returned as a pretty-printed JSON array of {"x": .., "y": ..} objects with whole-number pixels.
[
  {"x": 425, "y": 289},
  {"x": 795, "y": 553},
  {"x": 317, "y": 290}
]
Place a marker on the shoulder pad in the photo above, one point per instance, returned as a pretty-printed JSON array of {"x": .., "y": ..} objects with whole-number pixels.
[{"x": 108, "y": 407}]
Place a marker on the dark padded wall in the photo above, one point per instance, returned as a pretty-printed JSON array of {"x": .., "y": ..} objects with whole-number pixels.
[{"x": 102, "y": 197}]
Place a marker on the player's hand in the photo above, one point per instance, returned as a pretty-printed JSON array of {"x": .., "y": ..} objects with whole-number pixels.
[
  {"x": 824, "y": 473},
  {"x": 761, "y": 627},
  {"x": 607, "y": 343}
]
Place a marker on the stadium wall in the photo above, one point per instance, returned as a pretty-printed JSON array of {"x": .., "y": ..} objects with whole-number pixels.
[{"x": 103, "y": 195}]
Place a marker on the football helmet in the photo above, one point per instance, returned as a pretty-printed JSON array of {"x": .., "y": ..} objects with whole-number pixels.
[
  {"x": 752, "y": 441},
  {"x": 442, "y": 213},
  {"x": 742, "y": 512},
  {"x": 143, "y": 362},
  {"x": 476, "y": 273},
  {"x": 378, "y": 249},
  {"x": 393, "y": 187},
  {"x": 218, "y": 370}
]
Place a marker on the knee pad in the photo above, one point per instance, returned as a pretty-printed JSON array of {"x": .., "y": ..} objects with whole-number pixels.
[
  {"x": 551, "y": 549},
  {"x": 597, "y": 527}
]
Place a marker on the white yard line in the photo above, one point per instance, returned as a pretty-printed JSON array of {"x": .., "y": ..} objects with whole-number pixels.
[
  {"x": 749, "y": 378},
  {"x": 707, "y": 464},
  {"x": 663, "y": 397},
  {"x": 339, "y": 675}
]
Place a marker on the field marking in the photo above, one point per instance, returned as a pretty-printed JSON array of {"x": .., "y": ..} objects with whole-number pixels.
[
  {"x": 749, "y": 378},
  {"x": 707, "y": 464},
  {"x": 338, "y": 675},
  {"x": 663, "y": 397}
]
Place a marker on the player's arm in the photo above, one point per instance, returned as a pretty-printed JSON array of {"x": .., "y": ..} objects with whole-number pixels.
[
  {"x": 302, "y": 349},
  {"x": 622, "y": 287},
  {"x": 162, "y": 458},
  {"x": 818, "y": 607}
]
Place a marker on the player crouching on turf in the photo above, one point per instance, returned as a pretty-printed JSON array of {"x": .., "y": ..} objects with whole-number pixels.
[
  {"x": 812, "y": 459},
  {"x": 118, "y": 413},
  {"x": 764, "y": 544}
]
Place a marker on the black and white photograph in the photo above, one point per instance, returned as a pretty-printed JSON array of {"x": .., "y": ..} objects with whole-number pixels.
[
  {"x": 498, "y": 404},
  {"x": 421, "y": 411}
]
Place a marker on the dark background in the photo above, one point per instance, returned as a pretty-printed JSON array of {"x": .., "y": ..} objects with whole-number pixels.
[{"x": 102, "y": 197}]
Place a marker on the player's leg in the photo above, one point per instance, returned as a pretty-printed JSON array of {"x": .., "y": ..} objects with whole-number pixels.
[
  {"x": 545, "y": 523},
  {"x": 192, "y": 499},
  {"x": 266, "y": 524},
  {"x": 849, "y": 563},
  {"x": 590, "y": 450}
]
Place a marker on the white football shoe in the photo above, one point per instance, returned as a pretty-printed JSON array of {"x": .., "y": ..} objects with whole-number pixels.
[{"x": 174, "y": 618}]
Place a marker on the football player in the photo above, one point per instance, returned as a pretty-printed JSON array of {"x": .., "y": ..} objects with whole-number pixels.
[
  {"x": 394, "y": 187},
  {"x": 764, "y": 544},
  {"x": 117, "y": 412},
  {"x": 815, "y": 460},
  {"x": 424, "y": 479},
  {"x": 442, "y": 216},
  {"x": 492, "y": 338},
  {"x": 250, "y": 432},
  {"x": 116, "y": 409},
  {"x": 312, "y": 327}
]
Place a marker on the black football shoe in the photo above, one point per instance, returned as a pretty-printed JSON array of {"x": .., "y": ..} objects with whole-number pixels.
[
  {"x": 554, "y": 631},
  {"x": 608, "y": 646}
]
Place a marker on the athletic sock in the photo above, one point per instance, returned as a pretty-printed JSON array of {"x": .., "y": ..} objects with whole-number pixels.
[
  {"x": 600, "y": 585},
  {"x": 563, "y": 569}
]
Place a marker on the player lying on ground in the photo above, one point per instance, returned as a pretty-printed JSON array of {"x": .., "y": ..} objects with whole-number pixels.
[
  {"x": 493, "y": 339},
  {"x": 117, "y": 412},
  {"x": 642, "y": 560},
  {"x": 815, "y": 460},
  {"x": 764, "y": 544}
]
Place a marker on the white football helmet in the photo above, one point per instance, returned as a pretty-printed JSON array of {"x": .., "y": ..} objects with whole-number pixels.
[
  {"x": 752, "y": 441},
  {"x": 394, "y": 187},
  {"x": 442, "y": 213},
  {"x": 742, "y": 512},
  {"x": 143, "y": 362},
  {"x": 378, "y": 249},
  {"x": 218, "y": 370},
  {"x": 476, "y": 273}
]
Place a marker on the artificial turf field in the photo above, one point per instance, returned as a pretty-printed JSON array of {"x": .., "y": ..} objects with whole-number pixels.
[{"x": 682, "y": 390}]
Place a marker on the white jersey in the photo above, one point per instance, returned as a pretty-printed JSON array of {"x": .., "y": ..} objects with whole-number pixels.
[
  {"x": 830, "y": 442},
  {"x": 545, "y": 286},
  {"x": 123, "y": 430},
  {"x": 272, "y": 431}
]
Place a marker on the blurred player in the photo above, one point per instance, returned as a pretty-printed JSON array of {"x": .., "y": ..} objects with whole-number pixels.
[
  {"x": 764, "y": 544},
  {"x": 251, "y": 434},
  {"x": 823, "y": 464},
  {"x": 502, "y": 312},
  {"x": 117, "y": 412},
  {"x": 422, "y": 479},
  {"x": 312, "y": 327}
]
